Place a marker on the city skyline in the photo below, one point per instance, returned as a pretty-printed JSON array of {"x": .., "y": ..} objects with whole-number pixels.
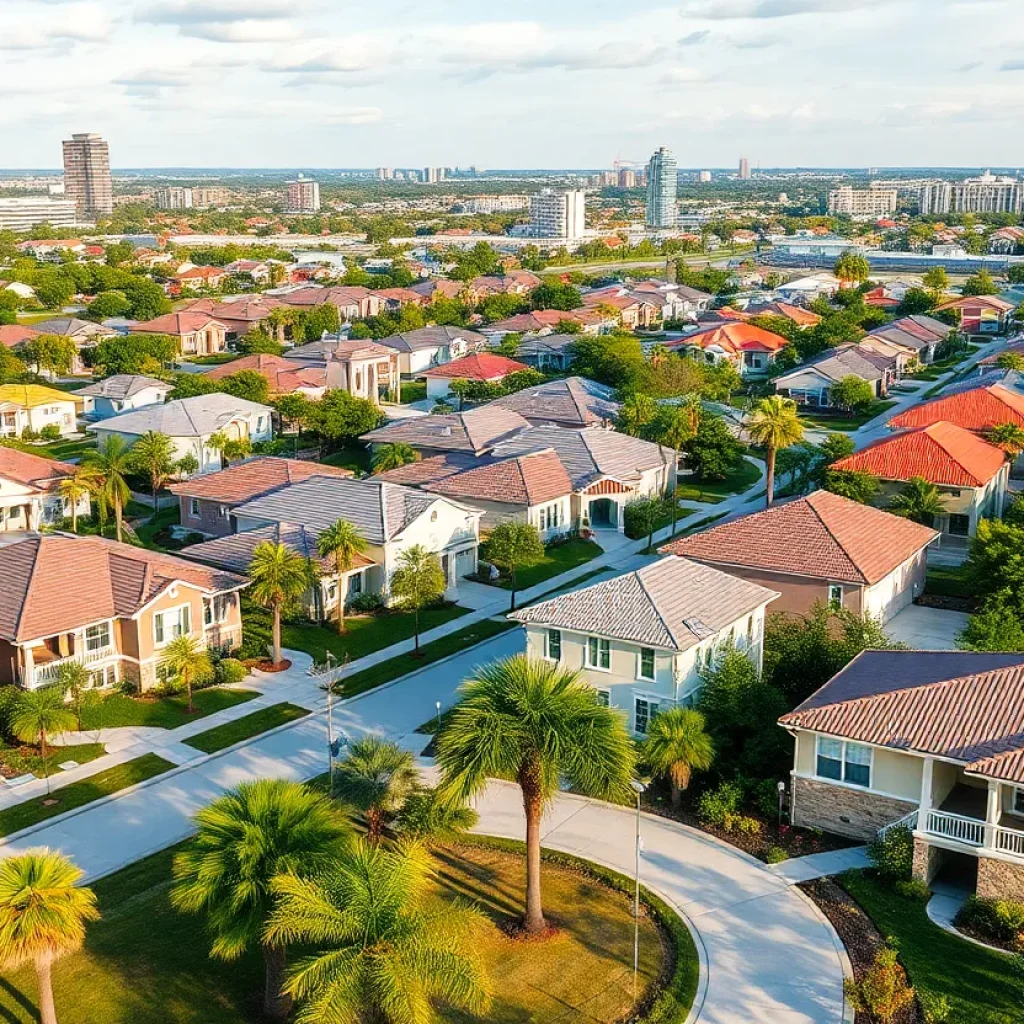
[{"x": 588, "y": 83}]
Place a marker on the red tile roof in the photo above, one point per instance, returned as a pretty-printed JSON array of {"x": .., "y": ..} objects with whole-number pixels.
[
  {"x": 185, "y": 322},
  {"x": 32, "y": 470},
  {"x": 15, "y": 334},
  {"x": 530, "y": 479},
  {"x": 823, "y": 536},
  {"x": 283, "y": 376},
  {"x": 734, "y": 338},
  {"x": 983, "y": 301},
  {"x": 978, "y": 409},
  {"x": 478, "y": 366},
  {"x": 942, "y": 453},
  {"x": 253, "y": 478}
]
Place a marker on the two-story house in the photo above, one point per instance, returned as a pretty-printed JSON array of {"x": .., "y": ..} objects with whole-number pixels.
[
  {"x": 197, "y": 333},
  {"x": 644, "y": 639},
  {"x": 122, "y": 393},
  {"x": 113, "y": 607},
  {"x": 35, "y": 407},
  {"x": 30, "y": 495}
]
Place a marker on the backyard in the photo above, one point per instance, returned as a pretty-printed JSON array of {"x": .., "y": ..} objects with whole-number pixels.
[{"x": 355, "y": 457}]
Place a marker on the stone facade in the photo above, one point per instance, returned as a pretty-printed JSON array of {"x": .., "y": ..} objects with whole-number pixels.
[
  {"x": 842, "y": 810},
  {"x": 927, "y": 861},
  {"x": 1000, "y": 880}
]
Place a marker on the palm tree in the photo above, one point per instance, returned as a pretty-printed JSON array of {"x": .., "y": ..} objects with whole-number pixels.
[
  {"x": 106, "y": 467},
  {"x": 384, "y": 953},
  {"x": 393, "y": 456},
  {"x": 774, "y": 424},
  {"x": 341, "y": 541},
  {"x": 1009, "y": 437},
  {"x": 376, "y": 777},
  {"x": 675, "y": 745},
  {"x": 153, "y": 454},
  {"x": 244, "y": 840},
  {"x": 535, "y": 722},
  {"x": 682, "y": 425},
  {"x": 186, "y": 659},
  {"x": 73, "y": 489},
  {"x": 418, "y": 581},
  {"x": 279, "y": 577},
  {"x": 43, "y": 913},
  {"x": 218, "y": 442},
  {"x": 74, "y": 679},
  {"x": 38, "y": 713},
  {"x": 918, "y": 500}
]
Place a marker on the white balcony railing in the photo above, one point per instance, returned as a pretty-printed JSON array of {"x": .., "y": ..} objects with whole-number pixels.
[
  {"x": 970, "y": 831},
  {"x": 908, "y": 821},
  {"x": 45, "y": 675},
  {"x": 1009, "y": 840}
]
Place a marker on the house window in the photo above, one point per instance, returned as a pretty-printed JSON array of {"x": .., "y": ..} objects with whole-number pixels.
[
  {"x": 646, "y": 666},
  {"x": 835, "y": 595},
  {"x": 97, "y": 637},
  {"x": 553, "y": 644},
  {"x": 844, "y": 761},
  {"x": 171, "y": 624},
  {"x": 223, "y": 511},
  {"x": 193, "y": 508},
  {"x": 644, "y": 711},
  {"x": 603, "y": 698},
  {"x": 959, "y": 525},
  {"x": 216, "y": 609},
  {"x": 599, "y": 653},
  {"x": 550, "y": 516},
  {"x": 1018, "y": 801},
  {"x": 750, "y": 630}
]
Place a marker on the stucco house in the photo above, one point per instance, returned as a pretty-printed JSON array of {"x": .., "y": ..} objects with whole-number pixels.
[
  {"x": 547, "y": 351},
  {"x": 475, "y": 431},
  {"x": 197, "y": 333},
  {"x": 123, "y": 392},
  {"x": 34, "y": 407},
  {"x": 363, "y": 368},
  {"x": 481, "y": 367},
  {"x": 928, "y": 739},
  {"x": 749, "y": 348},
  {"x": 570, "y": 402},
  {"x": 30, "y": 491},
  {"x": 432, "y": 346},
  {"x": 643, "y": 638},
  {"x": 811, "y": 384},
  {"x": 822, "y": 548},
  {"x": 981, "y": 314}
]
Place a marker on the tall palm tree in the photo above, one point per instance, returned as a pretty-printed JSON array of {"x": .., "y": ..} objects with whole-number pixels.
[
  {"x": 393, "y": 456},
  {"x": 279, "y": 577},
  {"x": 43, "y": 914},
  {"x": 153, "y": 454},
  {"x": 38, "y": 713},
  {"x": 384, "y": 954},
  {"x": 244, "y": 840},
  {"x": 376, "y": 777},
  {"x": 1009, "y": 437},
  {"x": 774, "y": 424},
  {"x": 73, "y": 489},
  {"x": 342, "y": 542},
  {"x": 682, "y": 426},
  {"x": 535, "y": 722},
  {"x": 918, "y": 500},
  {"x": 106, "y": 467},
  {"x": 676, "y": 745},
  {"x": 418, "y": 581},
  {"x": 189, "y": 661}
]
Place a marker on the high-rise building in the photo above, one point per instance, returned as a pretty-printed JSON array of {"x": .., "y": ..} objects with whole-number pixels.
[
  {"x": 25, "y": 214},
  {"x": 173, "y": 197},
  {"x": 704, "y": 177},
  {"x": 87, "y": 175},
  {"x": 558, "y": 214},
  {"x": 432, "y": 175},
  {"x": 988, "y": 194},
  {"x": 495, "y": 204},
  {"x": 627, "y": 178},
  {"x": 744, "y": 169},
  {"x": 662, "y": 186},
  {"x": 204, "y": 196},
  {"x": 862, "y": 202},
  {"x": 384, "y": 174},
  {"x": 302, "y": 195},
  {"x": 608, "y": 179}
]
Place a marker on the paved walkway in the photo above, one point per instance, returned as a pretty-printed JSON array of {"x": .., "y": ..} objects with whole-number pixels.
[
  {"x": 926, "y": 629},
  {"x": 821, "y": 865}
]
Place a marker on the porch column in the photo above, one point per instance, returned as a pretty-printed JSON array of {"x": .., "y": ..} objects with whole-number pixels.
[
  {"x": 925, "y": 804},
  {"x": 992, "y": 811}
]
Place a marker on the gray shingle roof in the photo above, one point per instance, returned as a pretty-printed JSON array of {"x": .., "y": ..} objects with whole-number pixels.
[
  {"x": 123, "y": 385},
  {"x": 572, "y": 402},
  {"x": 472, "y": 431},
  {"x": 672, "y": 604},
  {"x": 431, "y": 337},
  {"x": 198, "y": 416}
]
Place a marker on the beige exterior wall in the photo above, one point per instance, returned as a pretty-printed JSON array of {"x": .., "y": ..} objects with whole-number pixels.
[
  {"x": 893, "y": 773},
  {"x": 974, "y": 502},
  {"x": 882, "y": 600}
]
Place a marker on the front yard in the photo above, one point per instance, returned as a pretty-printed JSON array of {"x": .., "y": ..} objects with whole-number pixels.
[
  {"x": 743, "y": 476},
  {"x": 244, "y": 728},
  {"x": 163, "y": 713},
  {"x": 558, "y": 558},
  {"x": 848, "y": 422}
]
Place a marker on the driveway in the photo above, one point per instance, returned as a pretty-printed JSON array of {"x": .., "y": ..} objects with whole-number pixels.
[{"x": 926, "y": 629}]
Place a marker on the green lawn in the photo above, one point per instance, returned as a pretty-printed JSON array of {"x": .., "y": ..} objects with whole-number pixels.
[
  {"x": 61, "y": 450},
  {"x": 745, "y": 475},
  {"x": 845, "y": 422},
  {"x": 413, "y": 391},
  {"x": 977, "y": 982},
  {"x": 557, "y": 559},
  {"x": 166, "y": 713},
  {"x": 398, "y": 666},
  {"x": 156, "y": 524},
  {"x": 949, "y": 581},
  {"x": 217, "y": 359},
  {"x": 244, "y": 728},
  {"x": 27, "y": 759},
  {"x": 20, "y": 816},
  {"x": 355, "y": 457}
]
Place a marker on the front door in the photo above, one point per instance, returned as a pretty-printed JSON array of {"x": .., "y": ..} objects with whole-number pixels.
[{"x": 603, "y": 512}]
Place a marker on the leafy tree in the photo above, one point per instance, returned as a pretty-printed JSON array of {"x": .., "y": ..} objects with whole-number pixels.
[
  {"x": 153, "y": 454},
  {"x": 502, "y": 306},
  {"x": 293, "y": 409},
  {"x": 244, "y": 840},
  {"x": 981, "y": 283},
  {"x": 341, "y": 417},
  {"x": 279, "y": 577},
  {"x": 187, "y": 660},
  {"x": 53, "y": 290},
  {"x": 188, "y": 385},
  {"x": 918, "y": 500},
  {"x": 135, "y": 353},
  {"x": 936, "y": 280},
  {"x": 43, "y": 914},
  {"x": 247, "y": 384},
  {"x": 393, "y": 456},
  {"x": 519, "y": 380},
  {"x": 637, "y": 413},
  {"x": 106, "y": 469},
  {"x": 997, "y": 626},
  {"x": 424, "y": 815},
  {"x": 537, "y": 723},
  {"x": 37, "y": 714},
  {"x": 995, "y": 559},
  {"x": 376, "y": 777},
  {"x": 460, "y": 387},
  {"x": 675, "y": 746},
  {"x": 187, "y": 465},
  {"x": 418, "y": 581},
  {"x": 108, "y": 304},
  {"x": 916, "y": 300},
  {"x": 1015, "y": 273},
  {"x": 73, "y": 489},
  {"x": 512, "y": 546},
  {"x": 613, "y": 359},
  {"x": 54, "y": 353},
  {"x": 852, "y": 393},
  {"x": 555, "y": 295},
  {"x": 774, "y": 424},
  {"x": 383, "y": 952},
  {"x": 342, "y": 543},
  {"x": 255, "y": 343},
  {"x": 855, "y": 484},
  {"x": 1014, "y": 512},
  {"x": 1007, "y": 436},
  {"x": 712, "y": 452},
  {"x": 837, "y": 446},
  {"x": 1010, "y": 360},
  {"x": 852, "y": 268}
]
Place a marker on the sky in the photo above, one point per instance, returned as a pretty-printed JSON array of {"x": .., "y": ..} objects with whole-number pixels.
[{"x": 537, "y": 83}]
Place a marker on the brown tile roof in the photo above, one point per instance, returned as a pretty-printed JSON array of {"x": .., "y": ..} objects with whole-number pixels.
[
  {"x": 428, "y": 471},
  {"x": 823, "y": 536},
  {"x": 282, "y": 375},
  {"x": 253, "y": 478},
  {"x": 33, "y": 470},
  {"x": 527, "y": 480},
  {"x": 54, "y": 583},
  {"x": 176, "y": 323}
]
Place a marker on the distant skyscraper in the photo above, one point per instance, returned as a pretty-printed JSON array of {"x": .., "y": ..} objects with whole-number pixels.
[
  {"x": 627, "y": 178},
  {"x": 302, "y": 195},
  {"x": 384, "y": 174},
  {"x": 432, "y": 175},
  {"x": 87, "y": 175},
  {"x": 987, "y": 194},
  {"x": 661, "y": 189},
  {"x": 744, "y": 168},
  {"x": 704, "y": 177},
  {"x": 173, "y": 197},
  {"x": 557, "y": 214}
]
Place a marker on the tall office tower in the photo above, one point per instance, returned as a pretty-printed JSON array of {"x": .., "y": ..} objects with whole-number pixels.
[
  {"x": 302, "y": 195},
  {"x": 432, "y": 175},
  {"x": 988, "y": 194},
  {"x": 744, "y": 168},
  {"x": 173, "y": 197},
  {"x": 704, "y": 177},
  {"x": 384, "y": 174},
  {"x": 87, "y": 175},
  {"x": 558, "y": 214},
  {"x": 627, "y": 178},
  {"x": 862, "y": 202},
  {"x": 661, "y": 189}
]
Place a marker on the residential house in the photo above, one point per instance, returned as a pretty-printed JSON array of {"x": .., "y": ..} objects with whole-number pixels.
[
  {"x": 804, "y": 290},
  {"x": 425, "y": 347},
  {"x": 482, "y": 367},
  {"x": 919, "y": 335},
  {"x": 283, "y": 376},
  {"x": 903, "y": 359},
  {"x": 206, "y": 501},
  {"x": 258, "y": 270},
  {"x": 353, "y": 302},
  {"x": 238, "y": 315},
  {"x": 34, "y": 407},
  {"x": 475, "y": 431},
  {"x": 820, "y": 549},
  {"x": 978, "y": 409},
  {"x": 112, "y": 607},
  {"x": 540, "y": 321},
  {"x": 30, "y": 494},
  {"x": 84, "y": 333},
  {"x": 1006, "y": 241},
  {"x": 514, "y": 282},
  {"x": 928, "y": 739},
  {"x": 570, "y": 402},
  {"x": 802, "y": 318},
  {"x": 683, "y": 302},
  {"x": 365, "y": 369},
  {"x": 633, "y": 309},
  {"x": 122, "y": 393},
  {"x": 811, "y": 383},
  {"x": 395, "y": 298},
  {"x": 643, "y": 639},
  {"x": 197, "y": 333},
  {"x": 551, "y": 352},
  {"x": 51, "y": 249},
  {"x": 970, "y": 474},
  {"x": 442, "y": 288},
  {"x": 749, "y": 348},
  {"x": 191, "y": 422},
  {"x": 981, "y": 314},
  {"x": 195, "y": 279},
  {"x": 13, "y": 336}
]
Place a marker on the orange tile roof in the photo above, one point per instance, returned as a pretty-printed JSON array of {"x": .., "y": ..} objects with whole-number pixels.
[
  {"x": 283, "y": 376},
  {"x": 32, "y": 470},
  {"x": 15, "y": 334},
  {"x": 978, "y": 409},
  {"x": 253, "y": 478},
  {"x": 989, "y": 301},
  {"x": 477, "y": 366},
  {"x": 941, "y": 453},
  {"x": 176, "y": 323},
  {"x": 734, "y": 338}
]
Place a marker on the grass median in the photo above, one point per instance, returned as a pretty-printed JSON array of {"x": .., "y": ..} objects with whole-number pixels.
[{"x": 221, "y": 736}]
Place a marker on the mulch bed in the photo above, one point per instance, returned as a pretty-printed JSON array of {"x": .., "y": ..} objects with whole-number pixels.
[
  {"x": 1008, "y": 945},
  {"x": 948, "y": 603}
]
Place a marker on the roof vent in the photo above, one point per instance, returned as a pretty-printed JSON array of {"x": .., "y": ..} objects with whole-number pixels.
[{"x": 698, "y": 628}]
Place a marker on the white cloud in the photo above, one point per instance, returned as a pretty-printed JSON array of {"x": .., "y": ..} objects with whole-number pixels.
[
  {"x": 245, "y": 31},
  {"x": 199, "y": 12},
  {"x": 723, "y": 10},
  {"x": 678, "y": 76}
]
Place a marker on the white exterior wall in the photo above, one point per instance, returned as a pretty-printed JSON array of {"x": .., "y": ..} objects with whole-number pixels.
[
  {"x": 411, "y": 363},
  {"x": 60, "y": 413},
  {"x": 104, "y": 407},
  {"x": 896, "y": 591},
  {"x": 536, "y": 515}
]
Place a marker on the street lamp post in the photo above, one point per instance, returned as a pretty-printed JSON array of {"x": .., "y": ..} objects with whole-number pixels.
[
  {"x": 638, "y": 788},
  {"x": 782, "y": 796},
  {"x": 437, "y": 704}
]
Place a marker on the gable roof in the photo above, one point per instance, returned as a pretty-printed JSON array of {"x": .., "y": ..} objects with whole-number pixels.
[
  {"x": 965, "y": 706},
  {"x": 184, "y": 417},
  {"x": 837, "y": 363},
  {"x": 733, "y": 338},
  {"x": 672, "y": 604},
  {"x": 252, "y": 478},
  {"x": 983, "y": 301},
  {"x": 28, "y": 396},
  {"x": 477, "y": 366},
  {"x": 32, "y": 470},
  {"x": 326, "y": 349},
  {"x": 529, "y": 479},
  {"x": 123, "y": 385},
  {"x": 186, "y": 322},
  {"x": 574, "y": 401},
  {"x": 555, "y": 343},
  {"x": 67, "y": 326},
  {"x": 472, "y": 431},
  {"x": 282, "y": 376},
  {"x": 942, "y": 453},
  {"x": 431, "y": 337},
  {"x": 977, "y": 409},
  {"x": 800, "y": 316},
  {"x": 16, "y": 334},
  {"x": 823, "y": 536}
]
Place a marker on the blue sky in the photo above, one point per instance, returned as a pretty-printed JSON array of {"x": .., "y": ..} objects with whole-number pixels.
[{"x": 539, "y": 83}]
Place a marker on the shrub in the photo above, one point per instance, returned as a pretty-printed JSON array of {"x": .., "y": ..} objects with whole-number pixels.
[
  {"x": 366, "y": 603},
  {"x": 51, "y": 432},
  {"x": 716, "y": 805},
  {"x": 935, "y": 1008},
  {"x": 9, "y": 697},
  {"x": 883, "y": 991},
  {"x": 229, "y": 670},
  {"x": 644, "y": 516},
  {"x": 914, "y": 889},
  {"x": 1002, "y": 920},
  {"x": 775, "y": 855},
  {"x": 764, "y": 795},
  {"x": 30, "y": 434},
  {"x": 742, "y": 824},
  {"x": 892, "y": 854}
]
